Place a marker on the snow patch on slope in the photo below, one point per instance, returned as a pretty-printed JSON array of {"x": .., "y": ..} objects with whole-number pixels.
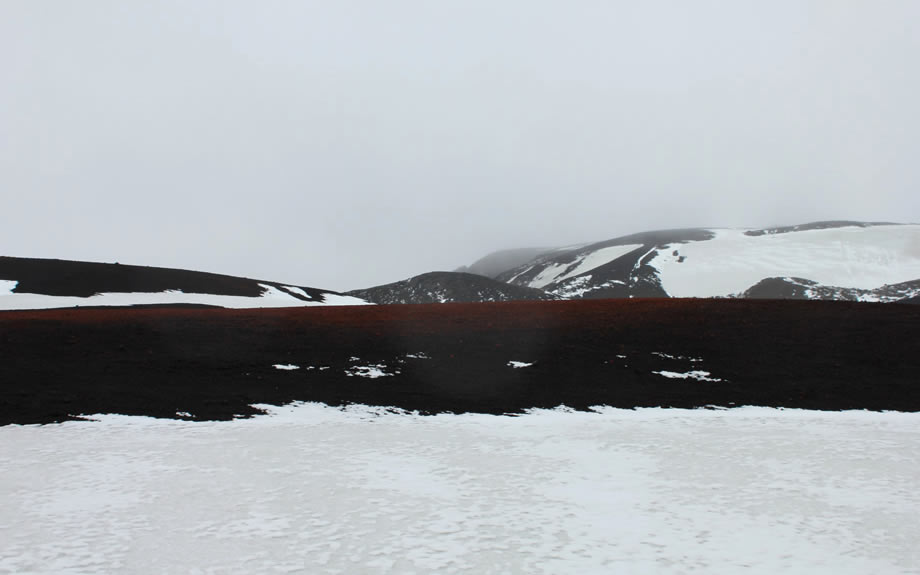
[
  {"x": 732, "y": 262},
  {"x": 582, "y": 264},
  {"x": 271, "y": 297}
]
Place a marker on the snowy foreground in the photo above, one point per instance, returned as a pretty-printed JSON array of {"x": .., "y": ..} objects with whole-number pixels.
[{"x": 312, "y": 489}]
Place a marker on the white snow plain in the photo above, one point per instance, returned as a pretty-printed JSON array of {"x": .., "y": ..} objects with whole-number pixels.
[
  {"x": 271, "y": 297},
  {"x": 313, "y": 489},
  {"x": 730, "y": 263}
]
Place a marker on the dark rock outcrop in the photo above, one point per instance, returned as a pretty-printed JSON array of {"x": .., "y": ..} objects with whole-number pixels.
[{"x": 448, "y": 287}]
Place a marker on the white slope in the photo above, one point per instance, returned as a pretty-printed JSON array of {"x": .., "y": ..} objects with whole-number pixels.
[
  {"x": 731, "y": 262},
  {"x": 583, "y": 264},
  {"x": 271, "y": 298},
  {"x": 313, "y": 489}
]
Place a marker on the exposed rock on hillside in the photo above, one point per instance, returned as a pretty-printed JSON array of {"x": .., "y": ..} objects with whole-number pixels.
[{"x": 447, "y": 287}]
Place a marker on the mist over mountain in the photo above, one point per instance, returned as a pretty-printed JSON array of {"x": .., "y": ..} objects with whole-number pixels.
[{"x": 495, "y": 263}]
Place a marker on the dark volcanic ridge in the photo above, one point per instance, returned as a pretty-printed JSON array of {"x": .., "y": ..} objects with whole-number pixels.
[
  {"x": 799, "y": 288},
  {"x": 54, "y": 277},
  {"x": 448, "y": 287},
  {"x": 490, "y": 358}
]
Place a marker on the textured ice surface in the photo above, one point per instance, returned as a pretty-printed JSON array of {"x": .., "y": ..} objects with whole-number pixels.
[{"x": 312, "y": 489}]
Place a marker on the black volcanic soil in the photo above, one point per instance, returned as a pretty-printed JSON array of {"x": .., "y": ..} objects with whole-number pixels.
[{"x": 214, "y": 363}]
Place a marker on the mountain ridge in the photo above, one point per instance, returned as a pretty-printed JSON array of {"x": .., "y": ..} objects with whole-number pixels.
[
  {"x": 31, "y": 283},
  {"x": 825, "y": 260},
  {"x": 828, "y": 260},
  {"x": 448, "y": 287}
]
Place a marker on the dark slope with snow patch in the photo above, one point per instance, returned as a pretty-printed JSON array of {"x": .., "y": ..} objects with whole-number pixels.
[
  {"x": 448, "y": 287},
  {"x": 799, "y": 288},
  {"x": 77, "y": 279},
  {"x": 599, "y": 270},
  {"x": 840, "y": 260}
]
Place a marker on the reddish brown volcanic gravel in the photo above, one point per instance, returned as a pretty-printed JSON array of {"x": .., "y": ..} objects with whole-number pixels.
[{"x": 214, "y": 363}]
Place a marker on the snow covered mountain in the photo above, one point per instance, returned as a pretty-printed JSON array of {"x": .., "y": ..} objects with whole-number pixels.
[
  {"x": 835, "y": 260},
  {"x": 823, "y": 260},
  {"x": 447, "y": 287},
  {"x": 27, "y": 283}
]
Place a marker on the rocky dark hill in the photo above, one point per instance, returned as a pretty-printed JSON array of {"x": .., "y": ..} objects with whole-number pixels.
[
  {"x": 68, "y": 280},
  {"x": 799, "y": 288},
  {"x": 448, "y": 287},
  {"x": 624, "y": 276}
]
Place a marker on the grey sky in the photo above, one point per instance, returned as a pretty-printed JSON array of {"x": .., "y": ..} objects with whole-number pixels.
[{"x": 346, "y": 144}]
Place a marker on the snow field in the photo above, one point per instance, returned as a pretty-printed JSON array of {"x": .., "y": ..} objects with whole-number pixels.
[
  {"x": 730, "y": 263},
  {"x": 312, "y": 489}
]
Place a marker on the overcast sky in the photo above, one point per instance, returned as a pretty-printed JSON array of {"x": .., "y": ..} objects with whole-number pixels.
[{"x": 343, "y": 144}]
